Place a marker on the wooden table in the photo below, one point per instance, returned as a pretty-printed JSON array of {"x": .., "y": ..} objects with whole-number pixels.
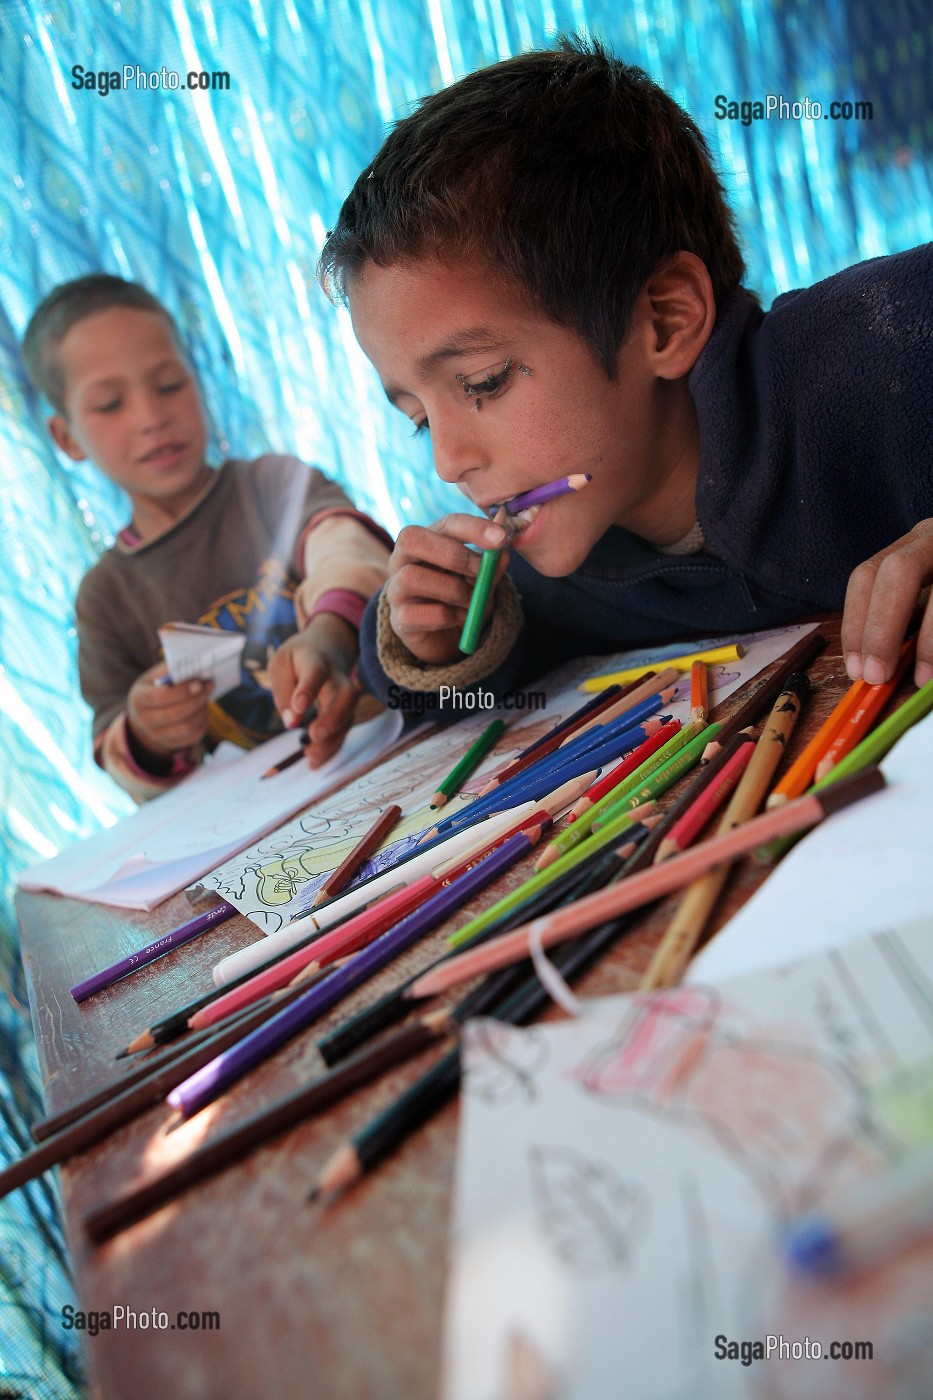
[{"x": 341, "y": 1301}]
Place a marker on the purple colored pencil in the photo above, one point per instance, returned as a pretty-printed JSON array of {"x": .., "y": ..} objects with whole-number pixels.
[
  {"x": 204, "y": 1086},
  {"x": 162, "y": 945},
  {"x": 540, "y": 494}
]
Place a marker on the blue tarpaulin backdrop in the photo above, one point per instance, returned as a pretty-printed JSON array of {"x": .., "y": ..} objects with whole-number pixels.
[{"x": 218, "y": 201}]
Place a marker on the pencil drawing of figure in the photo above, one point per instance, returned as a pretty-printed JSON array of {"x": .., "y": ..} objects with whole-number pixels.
[{"x": 789, "y": 1115}]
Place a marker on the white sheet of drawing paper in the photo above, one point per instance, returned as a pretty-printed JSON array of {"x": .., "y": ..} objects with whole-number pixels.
[
  {"x": 867, "y": 869},
  {"x": 621, "y": 1179},
  {"x": 203, "y": 653},
  {"x": 171, "y": 841}
]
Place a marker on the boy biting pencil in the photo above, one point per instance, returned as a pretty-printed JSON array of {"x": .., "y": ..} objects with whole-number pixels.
[{"x": 541, "y": 266}]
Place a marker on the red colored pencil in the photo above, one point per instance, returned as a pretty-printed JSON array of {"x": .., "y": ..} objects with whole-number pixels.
[
  {"x": 687, "y": 828},
  {"x": 628, "y": 765},
  {"x": 360, "y": 930}
]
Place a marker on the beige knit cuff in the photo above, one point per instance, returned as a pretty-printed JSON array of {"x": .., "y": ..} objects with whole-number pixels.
[{"x": 499, "y": 637}]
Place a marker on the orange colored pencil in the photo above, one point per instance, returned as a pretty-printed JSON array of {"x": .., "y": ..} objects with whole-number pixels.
[
  {"x": 699, "y": 691},
  {"x": 801, "y": 773},
  {"x": 870, "y": 704}
]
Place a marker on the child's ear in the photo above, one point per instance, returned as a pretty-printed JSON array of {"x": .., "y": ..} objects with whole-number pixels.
[
  {"x": 62, "y": 437},
  {"x": 682, "y": 311}
]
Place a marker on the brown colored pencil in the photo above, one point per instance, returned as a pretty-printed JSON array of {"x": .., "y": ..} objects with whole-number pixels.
[
  {"x": 363, "y": 848},
  {"x": 638, "y": 890},
  {"x": 801, "y": 654},
  {"x": 686, "y": 928},
  {"x": 233, "y": 1144},
  {"x": 288, "y": 762}
]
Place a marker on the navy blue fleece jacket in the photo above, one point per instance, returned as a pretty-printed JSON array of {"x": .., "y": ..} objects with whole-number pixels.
[{"x": 816, "y": 451}]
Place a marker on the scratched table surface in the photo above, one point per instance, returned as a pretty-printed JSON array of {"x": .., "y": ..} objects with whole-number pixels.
[{"x": 341, "y": 1300}]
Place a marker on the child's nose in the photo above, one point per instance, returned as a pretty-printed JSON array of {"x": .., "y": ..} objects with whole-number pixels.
[
  {"x": 151, "y": 411},
  {"x": 456, "y": 444}
]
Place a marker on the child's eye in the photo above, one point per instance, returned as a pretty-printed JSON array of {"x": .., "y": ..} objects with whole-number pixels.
[
  {"x": 110, "y": 407},
  {"x": 486, "y": 383},
  {"x": 173, "y": 387},
  {"x": 421, "y": 427}
]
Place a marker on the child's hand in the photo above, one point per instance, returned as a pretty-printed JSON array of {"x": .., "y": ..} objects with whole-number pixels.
[
  {"x": 314, "y": 666},
  {"x": 880, "y": 599},
  {"x": 431, "y": 577},
  {"x": 164, "y": 719}
]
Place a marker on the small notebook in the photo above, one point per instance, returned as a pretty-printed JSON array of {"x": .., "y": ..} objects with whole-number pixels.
[{"x": 203, "y": 654}]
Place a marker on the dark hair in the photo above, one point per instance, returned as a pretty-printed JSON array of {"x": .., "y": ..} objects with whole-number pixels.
[
  {"x": 63, "y": 308},
  {"x": 568, "y": 169}
]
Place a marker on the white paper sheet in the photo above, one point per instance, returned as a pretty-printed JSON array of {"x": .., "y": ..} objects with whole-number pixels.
[
  {"x": 622, "y": 1177},
  {"x": 171, "y": 841},
  {"x": 864, "y": 870}
]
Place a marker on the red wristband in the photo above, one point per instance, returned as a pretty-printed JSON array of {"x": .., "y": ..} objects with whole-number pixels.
[{"x": 342, "y": 602}]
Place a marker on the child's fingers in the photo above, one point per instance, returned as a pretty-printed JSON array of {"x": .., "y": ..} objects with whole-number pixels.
[
  {"x": 296, "y": 678},
  {"x": 419, "y": 617},
  {"x": 880, "y": 598},
  {"x": 443, "y": 545},
  {"x": 415, "y": 583},
  {"x": 923, "y": 666},
  {"x": 169, "y": 704},
  {"x": 337, "y": 704}
]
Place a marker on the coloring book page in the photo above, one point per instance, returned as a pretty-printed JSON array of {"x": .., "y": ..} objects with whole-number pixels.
[
  {"x": 622, "y": 1178},
  {"x": 172, "y": 840},
  {"x": 279, "y": 875}
]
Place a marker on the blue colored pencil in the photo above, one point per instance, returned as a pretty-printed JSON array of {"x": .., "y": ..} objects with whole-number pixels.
[{"x": 590, "y": 751}]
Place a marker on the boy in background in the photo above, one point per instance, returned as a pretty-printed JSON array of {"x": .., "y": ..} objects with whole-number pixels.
[
  {"x": 266, "y": 546},
  {"x": 541, "y": 266}
]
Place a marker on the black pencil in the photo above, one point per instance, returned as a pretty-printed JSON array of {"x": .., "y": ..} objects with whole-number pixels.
[
  {"x": 237, "y": 1141},
  {"x": 764, "y": 693}
]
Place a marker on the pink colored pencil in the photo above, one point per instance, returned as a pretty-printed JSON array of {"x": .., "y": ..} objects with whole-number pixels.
[{"x": 648, "y": 885}]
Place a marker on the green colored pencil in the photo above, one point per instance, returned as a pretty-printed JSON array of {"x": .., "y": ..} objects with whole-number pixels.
[
  {"x": 665, "y": 777},
  {"x": 468, "y": 763},
  {"x": 469, "y": 637},
  {"x": 579, "y": 830}
]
